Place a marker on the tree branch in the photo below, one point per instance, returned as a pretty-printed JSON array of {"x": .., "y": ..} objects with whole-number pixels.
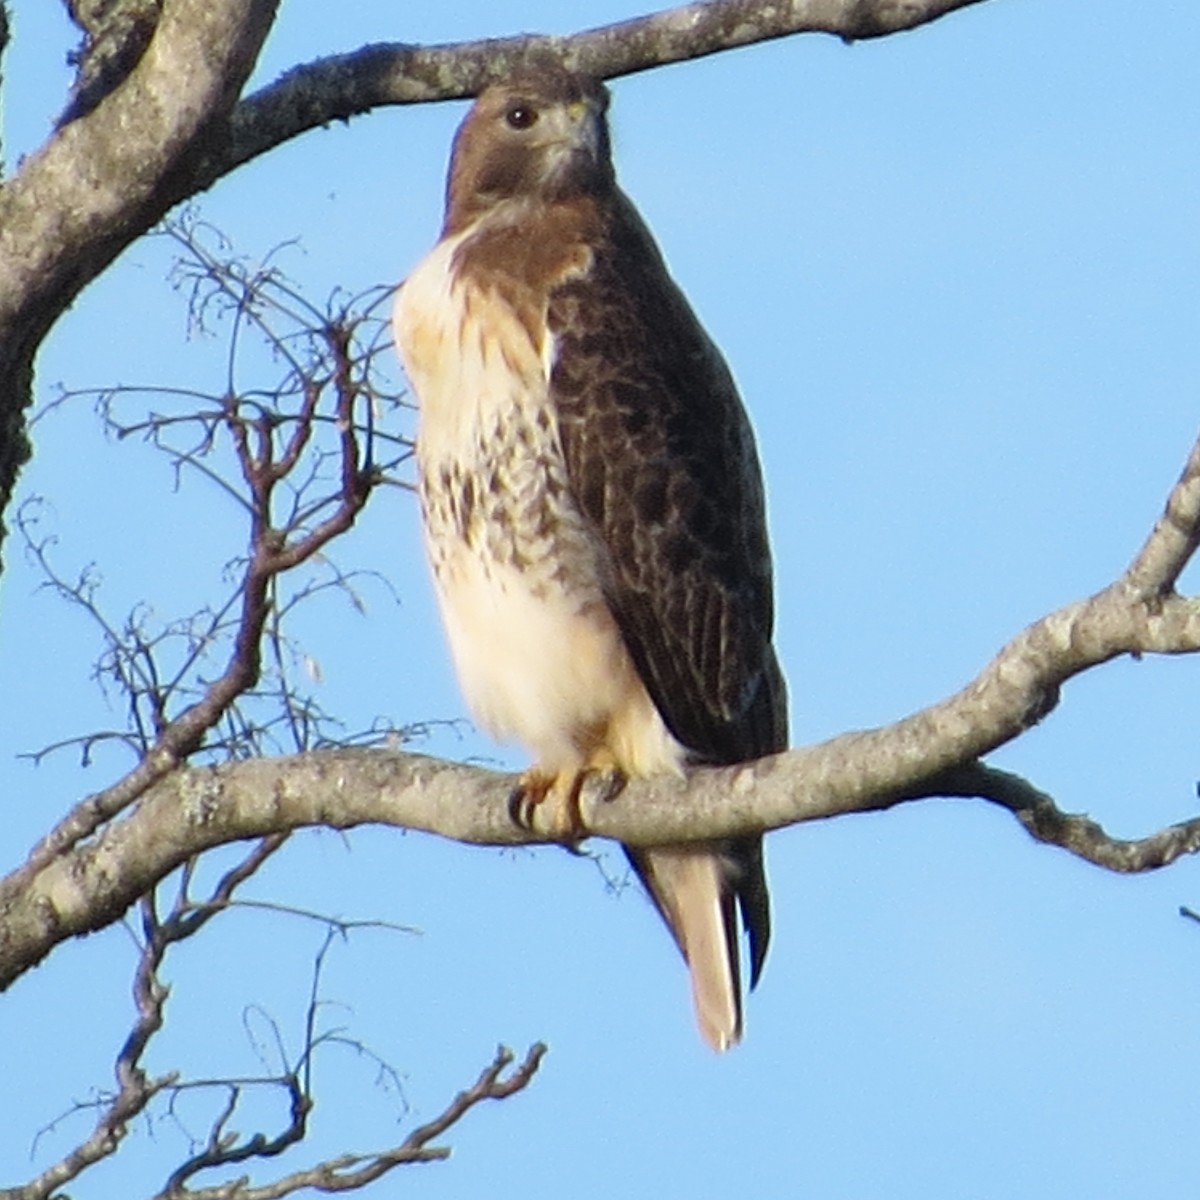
[
  {"x": 345, "y": 85},
  {"x": 115, "y": 36},
  {"x": 934, "y": 752},
  {"x": 352, "y": 1171},
  {"x": 198, "y": 808},
  {"x": 98, "y": 181},
  {"x": 103, "y": 180},
  {"x": 1079, "y": 834},
  {"x": 1173, "y": 541},
  {"x": 5, "y": 33}
]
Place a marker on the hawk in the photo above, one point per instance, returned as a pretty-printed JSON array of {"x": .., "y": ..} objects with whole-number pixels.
[{"x": 592, "y": 500}]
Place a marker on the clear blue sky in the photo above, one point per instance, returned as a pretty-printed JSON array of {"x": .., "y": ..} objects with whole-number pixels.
[{"x": 957, "y": 274}]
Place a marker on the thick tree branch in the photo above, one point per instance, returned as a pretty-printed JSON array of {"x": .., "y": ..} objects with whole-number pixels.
[
  {"x": 115, "y": 35},
  {"x": 99, "y": 180},
  {"x": 5, "y": 31},
  {"x": 104, "y": 179},
  {"x": 345, "y": 85},
  {"x": 933, "y": 752},
  {"x": 196, "y": 809},
  {"x": 1173, "y": 541}
]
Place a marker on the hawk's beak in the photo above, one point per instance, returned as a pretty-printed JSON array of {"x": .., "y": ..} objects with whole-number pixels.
[{"x": 581, "y": 131}]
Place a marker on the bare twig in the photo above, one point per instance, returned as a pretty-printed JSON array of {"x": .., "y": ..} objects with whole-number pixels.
[
  {"x": 330, "y": 387},
  {"x": 224, "y": 1149},
  {"x": 135, "y": 1090},
  {"x": 349, "y": 1172},
  {"x": 219, "y": 1147}
]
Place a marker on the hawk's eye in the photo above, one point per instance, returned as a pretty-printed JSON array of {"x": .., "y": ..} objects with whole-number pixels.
[{"x": 521, "y": 116}]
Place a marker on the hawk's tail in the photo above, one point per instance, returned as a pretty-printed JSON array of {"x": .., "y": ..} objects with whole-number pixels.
[{"x": 695, "y": 889}]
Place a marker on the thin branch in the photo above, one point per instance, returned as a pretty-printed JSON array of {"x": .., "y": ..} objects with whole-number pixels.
[
  {"x": 332, "y": 368},
  {"x": 135, "y": 1089},
  {"x": 349, "y": 1172},
  {"x": 1076, "y": 832},
  {"x": 190, "y": 917},
  {"x": 223, "y": 1149},
  {"x": 340, "y": 925}
]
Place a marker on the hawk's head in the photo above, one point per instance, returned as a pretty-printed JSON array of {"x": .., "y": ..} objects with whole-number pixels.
[{"x": 540, "y": 135}]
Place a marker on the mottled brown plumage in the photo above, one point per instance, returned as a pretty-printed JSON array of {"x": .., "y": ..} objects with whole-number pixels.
[{"x": 592, "y": 498}]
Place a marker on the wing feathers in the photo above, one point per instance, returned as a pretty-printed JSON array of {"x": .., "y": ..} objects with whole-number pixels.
[{"x": 662, "y": 462}]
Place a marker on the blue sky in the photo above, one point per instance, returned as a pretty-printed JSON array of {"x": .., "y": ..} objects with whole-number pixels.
[{"x": 957, "y": 275}]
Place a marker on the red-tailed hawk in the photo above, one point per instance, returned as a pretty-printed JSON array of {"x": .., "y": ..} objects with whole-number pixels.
[{"x": 592, "y": 499}]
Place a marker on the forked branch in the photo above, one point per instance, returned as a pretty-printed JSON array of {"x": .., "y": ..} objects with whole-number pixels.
[
  {"x": 348, "y": 1172},
  {"x": 308, "y": 458}
]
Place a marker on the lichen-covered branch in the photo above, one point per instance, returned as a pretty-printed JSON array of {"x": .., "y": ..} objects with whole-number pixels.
[
  {"x": 115, "y": 36},
  {"x": 5, "y": 31},
  {"x": 103, "y": 180},
  {"x": 1171, "y": 544}
]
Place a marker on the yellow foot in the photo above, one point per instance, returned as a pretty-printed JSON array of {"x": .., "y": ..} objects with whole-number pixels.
[{"x": 555, "y": 798}]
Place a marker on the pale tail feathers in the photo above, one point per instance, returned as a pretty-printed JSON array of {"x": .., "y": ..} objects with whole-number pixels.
[{"x": 692, "y": 890}]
